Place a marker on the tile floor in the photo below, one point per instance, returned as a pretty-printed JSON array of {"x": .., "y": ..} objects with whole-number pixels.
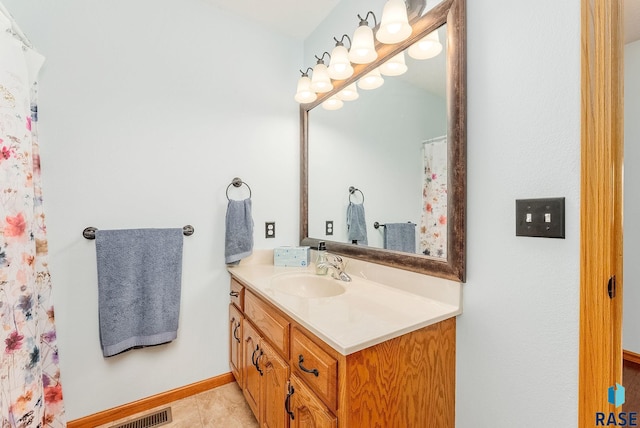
[{"x": 224, "y": 406}]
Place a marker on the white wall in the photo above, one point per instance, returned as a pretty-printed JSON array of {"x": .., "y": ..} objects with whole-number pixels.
[
  {"x": 517, "y": 355},
  {"x": 148, "y": 109},
  {"x": 631, "y": 315},
  {"x": 162, "y": 153}
]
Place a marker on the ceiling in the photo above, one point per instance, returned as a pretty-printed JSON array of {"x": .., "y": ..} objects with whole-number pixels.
[
  {"x": 298, "y": 18},
  {"x": 294, "y": 18}
]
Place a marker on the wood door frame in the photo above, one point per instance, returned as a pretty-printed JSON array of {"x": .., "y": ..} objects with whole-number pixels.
[{"x": 602, "y": 115}]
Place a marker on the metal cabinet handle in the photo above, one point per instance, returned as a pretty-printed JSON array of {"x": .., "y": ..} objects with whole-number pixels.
[
  {"x": 256, "y": 363},
  {"x": 235, "y": 331},
  {"x": 287, "y": 401},
  {"x": 234, "y": 294},
  {"x": 315, "y": 372}
]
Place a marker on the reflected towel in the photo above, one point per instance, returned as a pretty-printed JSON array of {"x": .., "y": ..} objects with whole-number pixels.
[
  {"x": 139, "y": 279},
  {"x": 239, "y": 231},
  {"x": 400, "y": 237},
  {"x": 356, "y": 225}
]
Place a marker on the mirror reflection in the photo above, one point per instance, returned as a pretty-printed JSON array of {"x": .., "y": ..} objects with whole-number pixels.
[{"x": 381, "y": 160}]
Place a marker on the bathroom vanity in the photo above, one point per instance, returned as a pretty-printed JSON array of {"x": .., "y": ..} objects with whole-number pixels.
[{"x": 327, "y": 353}]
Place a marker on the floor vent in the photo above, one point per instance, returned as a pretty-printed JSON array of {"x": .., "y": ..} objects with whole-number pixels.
[{"x": 161, "y": 417}]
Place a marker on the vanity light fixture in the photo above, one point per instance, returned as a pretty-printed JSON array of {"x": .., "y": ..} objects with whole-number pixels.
[
  {"x": 395, "y": 66},
  {"x": 340, "y": 67},
  {"x": 350, "y": 93},
  {"x": 304, "y": 94},
  {"x": 371, "y": 80},
  {"x": 394, "y": 24},
  {"x": 320, "y": 81},
  {"x": 333, "y": 103},
  {"x": 363, "y": 49},
  {"x": 427, "y": 47}
]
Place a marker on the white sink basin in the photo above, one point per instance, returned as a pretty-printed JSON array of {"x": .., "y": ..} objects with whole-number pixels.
[{"x": 302, "y": 284}]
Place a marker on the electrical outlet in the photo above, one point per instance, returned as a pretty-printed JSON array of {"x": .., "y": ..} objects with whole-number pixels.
[
  {"x": 328, "y": 227},
  {"x": 543, "y": 218},
  {"x": 270, "y": 229}
]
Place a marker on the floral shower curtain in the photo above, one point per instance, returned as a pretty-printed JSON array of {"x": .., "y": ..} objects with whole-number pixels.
[
  {"x": 433, "y": 227},
  {"x": 30, "y": 389}
]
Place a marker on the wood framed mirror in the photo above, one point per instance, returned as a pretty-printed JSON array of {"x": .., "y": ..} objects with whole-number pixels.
[{"x": 449, "y": 16}]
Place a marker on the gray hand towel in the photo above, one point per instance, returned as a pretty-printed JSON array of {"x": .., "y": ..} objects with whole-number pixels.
[
  {"x": 139, "y": 280},
  {"x": 400, "y": 237},
  {"x": 239, "y": 231},
  {"x": 356, "y": 224}
]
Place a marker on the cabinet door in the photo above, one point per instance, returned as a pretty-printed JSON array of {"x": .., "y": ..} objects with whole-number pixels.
[
  {"x": 274, "y": 388},
  {"x": 251, "y": 377},
  {"x": 308, "y": 411},
  {"x": 235, "y": 343}
]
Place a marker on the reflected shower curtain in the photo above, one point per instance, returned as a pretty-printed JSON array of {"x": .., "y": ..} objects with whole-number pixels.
[
  {"x": 433, "y": 224},
  {"x": 30, "y": 389}
]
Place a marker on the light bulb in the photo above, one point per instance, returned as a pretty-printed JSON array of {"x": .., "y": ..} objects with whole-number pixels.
[
  {"x": 394, "y": 25},
  {"x": 333, "y": 103},
  {"x": 363, "y": 49},
  {"x": 304, "y": 94},
  {"x": 340, "y": 67},
  {"x": 371, "y": 80},
  {"x": 395, "y": 66},
  {"x": 320, "y": 81},
  {"x": 350, "y": 93},
  {"x": 427, "y": 47}
]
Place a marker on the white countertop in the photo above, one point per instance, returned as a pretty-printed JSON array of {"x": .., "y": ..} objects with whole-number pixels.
[{"x": 366, "y": 314}]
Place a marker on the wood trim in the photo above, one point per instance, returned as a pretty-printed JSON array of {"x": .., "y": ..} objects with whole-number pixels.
[
  {"x": 149, "y": 403},
  {"x": 600, "y": 355},
  {"x": 632, "y": 357}
]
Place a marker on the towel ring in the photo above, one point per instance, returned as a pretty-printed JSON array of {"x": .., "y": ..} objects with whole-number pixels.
[
  {"x": 352, "y": 190},
  {"x": 90, "y": 232},
  {"x": 237, "y": 182}
]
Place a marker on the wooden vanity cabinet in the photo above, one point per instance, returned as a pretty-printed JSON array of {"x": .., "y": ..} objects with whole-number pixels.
[
  {"x": 235, "y": 342},
  {"x": 265, "y": 372},
  {"x": 307, "y": 410},
  {"x": 291, "y": 378}
]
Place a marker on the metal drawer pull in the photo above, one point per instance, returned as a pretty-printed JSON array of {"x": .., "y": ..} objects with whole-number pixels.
[
  {"x": 315, "y": 372},
  {"x": 287, "y": 401},
  {"x": 235, "y": 330},
  {"x": 257, "y": 358},
  {"x": 234, "y": 294}
]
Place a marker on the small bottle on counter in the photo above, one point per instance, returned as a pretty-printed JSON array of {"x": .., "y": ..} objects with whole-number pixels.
[{"x": 321, "y": 260}]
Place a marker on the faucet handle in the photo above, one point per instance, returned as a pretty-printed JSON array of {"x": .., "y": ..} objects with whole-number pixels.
[{"x": 336, "y": 258}]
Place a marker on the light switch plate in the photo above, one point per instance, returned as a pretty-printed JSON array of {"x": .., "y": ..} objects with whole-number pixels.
[{"x": 542, "y": 218}]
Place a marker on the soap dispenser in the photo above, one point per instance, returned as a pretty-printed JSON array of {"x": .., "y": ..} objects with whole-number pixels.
[{"x": 321, "y": 260}]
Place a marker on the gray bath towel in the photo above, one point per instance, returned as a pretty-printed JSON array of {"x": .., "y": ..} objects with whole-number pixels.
[
  {"x": 239, "y": 231},
  {"x": 400, "y": 237},
  {"x": 356, "y": 224},
  {"x": 139, "y": 280}
]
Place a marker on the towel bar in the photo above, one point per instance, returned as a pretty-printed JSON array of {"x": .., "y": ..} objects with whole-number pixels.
[
  {"x": 237, "y": 182},
  {"x": 90, "y": 232},
  {"x": 377, "y": 225}
]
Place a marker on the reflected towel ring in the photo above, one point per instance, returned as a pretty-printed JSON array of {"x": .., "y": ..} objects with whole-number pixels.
[
  {"x": 352, "y": 190},
  {"x": 237, "y": 182}
]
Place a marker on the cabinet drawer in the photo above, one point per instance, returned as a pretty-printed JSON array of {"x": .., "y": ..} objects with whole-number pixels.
[
  {"x": 315, "y": 366},
  {"x": 272, "y": 325},
  {"x": 237, "y": 294}
]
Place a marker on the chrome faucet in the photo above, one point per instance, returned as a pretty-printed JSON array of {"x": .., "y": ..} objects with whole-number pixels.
[{"x": 337, "y": 267}]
